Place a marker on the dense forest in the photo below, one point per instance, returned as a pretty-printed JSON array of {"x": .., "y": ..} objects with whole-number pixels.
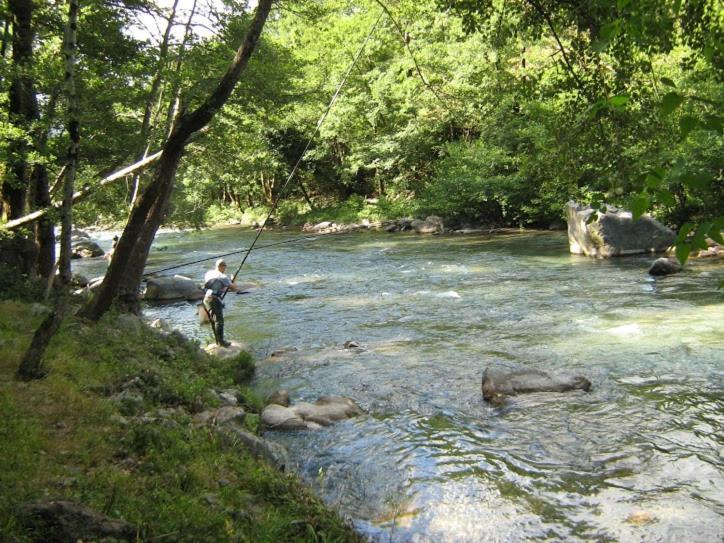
[{"x": 494, "y": 112}]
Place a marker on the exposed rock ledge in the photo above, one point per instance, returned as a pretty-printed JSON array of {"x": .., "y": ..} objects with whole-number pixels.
[
  {"x": 307, "y": 416},
  {"x": 614, "y": 233}
]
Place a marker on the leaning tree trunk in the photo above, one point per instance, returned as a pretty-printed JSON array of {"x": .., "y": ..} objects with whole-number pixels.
[
  {"x": 174, "y": 103},
  {"x": 130, "y": 284},
  {"x": 134, "y": 273},
  {"x": 154, "y": 198},
  {"x": 31, "y": 365},
  {"x": 71, "y": 33}
]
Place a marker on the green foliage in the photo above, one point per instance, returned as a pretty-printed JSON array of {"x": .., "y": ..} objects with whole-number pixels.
[{"x": 481, "y": 110}]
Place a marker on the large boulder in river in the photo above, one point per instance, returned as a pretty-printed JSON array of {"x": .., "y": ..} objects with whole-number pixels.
[
  {"x": 614, "y": 233},
  {"x": 303, "y": 415},
  {"x": 177, "y": 287},
  {"x": 85, "y": 248},
  {"x": 431, "y": 225},
  {"x": 499, "y": 383}
]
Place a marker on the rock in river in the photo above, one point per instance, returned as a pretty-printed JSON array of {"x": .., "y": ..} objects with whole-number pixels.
[
  {"x": 664, "y": 266},
  {"x": 177, "y": 287},
  {"x": 303, "y": 415},
  {"x": 499, "y": 383},
  {"x": 85, "y": 248}
]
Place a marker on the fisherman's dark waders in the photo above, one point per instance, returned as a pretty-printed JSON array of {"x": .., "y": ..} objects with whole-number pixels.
[{"x": 215, "y": 307}]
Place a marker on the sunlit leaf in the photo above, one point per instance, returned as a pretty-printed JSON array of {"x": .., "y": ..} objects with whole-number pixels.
[
  {"x": 600, "y": 46},
  {"x": 666, "y": 198},
  {"x": 652, "y": 181},
  {"x": 639, "y": 205},
  {"x": 697, "y": 181},
  {"x": 610, "y": 30},
  {"x": 595, "y": 108},
  {"x": 660, "y": 172},
  {"x": 619, "y": 100},
  {"x": 699, "y": 239},
  {"x": 682, "y": 252},
  {"x": 670, "y": 102},
  {"x": 684, "y": 231},
  {"x": 687, "y": 123}
]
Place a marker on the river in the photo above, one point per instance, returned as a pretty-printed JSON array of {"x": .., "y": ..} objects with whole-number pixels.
[{"x": 638, "y": 458}]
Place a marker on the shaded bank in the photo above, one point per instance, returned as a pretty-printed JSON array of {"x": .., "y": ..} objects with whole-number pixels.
[{"x": 115, "y": 429}]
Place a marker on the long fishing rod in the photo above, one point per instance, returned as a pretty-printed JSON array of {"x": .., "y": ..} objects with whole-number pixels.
[{"x": 306, "y": 148}]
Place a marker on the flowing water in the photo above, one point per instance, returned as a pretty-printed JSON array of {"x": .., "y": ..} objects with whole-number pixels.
[{"x": 638, "y": 458}]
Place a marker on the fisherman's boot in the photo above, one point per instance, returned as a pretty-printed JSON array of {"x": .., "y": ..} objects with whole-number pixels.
[{"x": 220, "y": 334}]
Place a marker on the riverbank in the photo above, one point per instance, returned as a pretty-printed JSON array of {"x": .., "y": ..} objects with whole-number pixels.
[{"x": 118, "y": 437}]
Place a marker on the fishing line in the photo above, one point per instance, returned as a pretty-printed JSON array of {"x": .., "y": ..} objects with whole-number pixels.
[
  {"x": 306, "y": 148},
  {"x": 206, "y": 259}
]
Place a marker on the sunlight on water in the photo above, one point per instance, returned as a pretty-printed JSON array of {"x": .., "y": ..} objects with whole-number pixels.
[{"x": 639, "y": 458}]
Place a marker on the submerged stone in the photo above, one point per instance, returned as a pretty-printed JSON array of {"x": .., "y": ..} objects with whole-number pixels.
[
  {"x": 664, "y": 266},
  {"x": 235, "y": 349},
  {"x": 499, "y": 383}
]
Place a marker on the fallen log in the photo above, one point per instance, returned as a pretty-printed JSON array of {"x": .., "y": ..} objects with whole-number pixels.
[{"x": 78, "y": 195}]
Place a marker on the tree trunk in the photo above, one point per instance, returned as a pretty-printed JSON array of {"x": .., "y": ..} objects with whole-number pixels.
[
  {"x": 44, "y": 228},
  {"x": 71, "y": 34},
  {"x": 148, "y": 213},
  {"x": 23, "y": 109},
  {"x": 31, "y": 366},
  {"x": 6, "y": 39},
  {"x": 174, "y": 104},
  {"x": 144, "y": 143}
]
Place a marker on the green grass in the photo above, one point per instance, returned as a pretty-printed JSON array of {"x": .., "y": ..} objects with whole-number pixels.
[{"x": 63, "y": 437}]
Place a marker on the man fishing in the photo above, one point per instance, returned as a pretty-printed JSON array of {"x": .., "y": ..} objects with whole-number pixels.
[{"x": 216, "y": 283}]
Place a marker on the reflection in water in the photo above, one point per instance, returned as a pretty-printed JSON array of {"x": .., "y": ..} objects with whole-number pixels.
[{"x": 639, "y": 458}]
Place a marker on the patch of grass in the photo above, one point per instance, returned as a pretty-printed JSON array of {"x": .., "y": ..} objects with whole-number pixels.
[{"x": 69, "y": 436}]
